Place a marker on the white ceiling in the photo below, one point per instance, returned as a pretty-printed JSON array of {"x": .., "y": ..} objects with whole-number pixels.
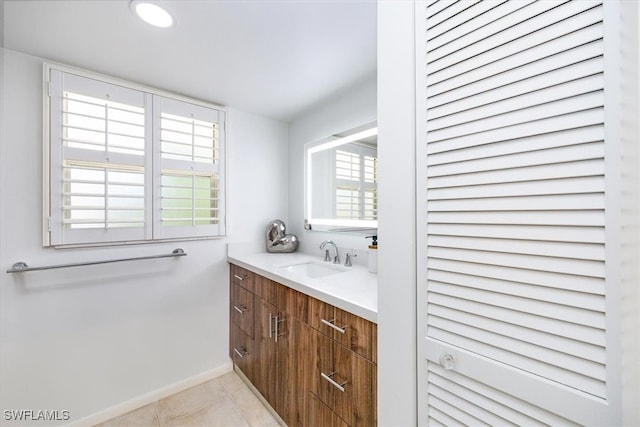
[{"x": 275, "y": 58}]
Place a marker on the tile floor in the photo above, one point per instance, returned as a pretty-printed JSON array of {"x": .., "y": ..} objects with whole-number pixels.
[{"x": 225, "y": 401}]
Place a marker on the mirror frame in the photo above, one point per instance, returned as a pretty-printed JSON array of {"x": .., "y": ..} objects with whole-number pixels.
[{"x": 332, "y": 224}]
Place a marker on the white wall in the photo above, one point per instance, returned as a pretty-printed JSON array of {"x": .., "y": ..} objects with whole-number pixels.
[
  {"x": 85, "y": 339},
  {"x": 351, "y": 108}
]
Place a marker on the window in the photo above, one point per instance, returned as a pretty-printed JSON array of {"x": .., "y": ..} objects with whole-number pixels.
[
  {"x": 355, "y": 183},
  {"x": 126, "y": 164}
]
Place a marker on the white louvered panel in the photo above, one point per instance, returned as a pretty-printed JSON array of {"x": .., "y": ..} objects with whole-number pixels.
[
  {"x": 474, "y": 414},
  {"x": 575, "y": 350},
  {"x": 522, "y": 30},
  {"x": 528, "y": 262},
  {"x": 446, "y": 104},
  {"x": 580, "y": 118},
  {"x": 515, "y": 208},
  {"x": 594, "y": 252},
  {"x": 545, "y": 202},
  {"x": 453, "y": 9},
  {"x": 525, "y": 114},
  {"x": 574, "y": 331},
  {"x": 585, "y": 150},
  {"x": 590, "y": 285},
  {"x": 509, "y": 408},
  {"x": 581, "y": 185},
  {"x": 447, "y": 29},
  {"x": 582, "y": 60},
  {"x": 456, "y": 415},
  {"x": 571, "y": 371},
  {"x": 475, "y": 27},
  {"x": 582, "y": 44},
  {"x": 541, "y": 293},
  {"x": 566, "y": 217},
  {"x": 528, "y": 144},
  {"x": 578, "y": 315},
  {"x": 525, "y": 232},
  {"x": 507, "y": 100},
  {"x": 548, "y": 171}
]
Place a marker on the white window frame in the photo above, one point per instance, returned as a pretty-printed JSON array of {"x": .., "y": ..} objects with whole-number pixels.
[{"x": 154, "y": 100}]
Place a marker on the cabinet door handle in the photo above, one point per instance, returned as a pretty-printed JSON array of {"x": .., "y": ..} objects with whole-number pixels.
[
  {"x": 242, "y": 352},
  {"x": 331, "y": 323},
  {"x": 239, "y": 277},
  {"x": 277, "y": 333},
  {"x": 332, "y": 382},
  {"x": 241, "y": 309},
  {"x": 271, "y": 317}
]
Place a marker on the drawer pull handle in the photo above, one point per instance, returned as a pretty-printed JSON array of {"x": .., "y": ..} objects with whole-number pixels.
[
  {"x": 242, "y": 352},
  {"x": 330, "y": 323},
  {"x": 332, "y": 382},
  {"x": 240, "y": 309},
  {"x": 239, "y": 277}
]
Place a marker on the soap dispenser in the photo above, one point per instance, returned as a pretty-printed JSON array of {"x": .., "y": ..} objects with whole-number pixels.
[{"x": 373, "y": 254}]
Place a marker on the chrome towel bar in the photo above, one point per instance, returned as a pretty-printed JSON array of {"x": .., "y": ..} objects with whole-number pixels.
[{"x": 20, "y": 267}]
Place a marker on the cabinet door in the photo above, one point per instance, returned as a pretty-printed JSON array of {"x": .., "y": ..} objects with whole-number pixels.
[
  {"x": 265, "y": 349},
  {"x": 242, "y": 309}
]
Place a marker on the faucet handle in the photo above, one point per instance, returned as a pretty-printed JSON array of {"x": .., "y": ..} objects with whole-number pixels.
[{"x": 347, "y": 261}]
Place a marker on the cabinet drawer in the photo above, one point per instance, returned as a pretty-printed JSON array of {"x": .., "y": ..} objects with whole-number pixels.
[
  {"x": 353, "y": 332},
  {"x": 320, "y": 415},
  {"x": 242, "y": 309},
  {"x": 344, "y": 381},
  {"x": 360, "y": 334},
  {"x": 242, "y": 277},
  {"x": 242, "y": 351}
]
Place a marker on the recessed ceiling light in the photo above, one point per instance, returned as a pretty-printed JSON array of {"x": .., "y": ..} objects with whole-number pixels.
[{"x": 152, "y": 14}]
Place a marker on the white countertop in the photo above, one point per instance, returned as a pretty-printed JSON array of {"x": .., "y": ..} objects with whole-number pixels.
[{"x": 355, "y": 290}]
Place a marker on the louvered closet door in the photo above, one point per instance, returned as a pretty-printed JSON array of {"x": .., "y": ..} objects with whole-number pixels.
[{"x": 515, "y": 221}]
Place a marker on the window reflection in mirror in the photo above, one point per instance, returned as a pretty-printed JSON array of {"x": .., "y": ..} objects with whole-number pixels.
[{"x": 341, "y": 180}]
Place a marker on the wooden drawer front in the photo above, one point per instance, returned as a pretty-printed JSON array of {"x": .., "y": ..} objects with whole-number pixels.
[
  {"x": 320, "y": 415},
  {"x": 242, "y": 351},
  {"x": 243, "y": 277},
  {"x": 360, "y": 335},
  {"x": 242, "y": 308},
  {"x": 353, "y": 332},
  {"x": 344, "y": 381},
  {"x": 321, "y": 317}
]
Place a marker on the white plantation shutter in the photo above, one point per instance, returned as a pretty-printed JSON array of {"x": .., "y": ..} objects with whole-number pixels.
[
  {"x": 129, "y": 165},
  {"x": 189, "y": 197},
  {"x": 355, "y": 183},
  {"x": 515, "y": 220},
  {"x": 98, "y": 147}
]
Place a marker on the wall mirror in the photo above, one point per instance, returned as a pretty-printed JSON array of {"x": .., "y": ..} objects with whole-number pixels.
[{"x": 341, "y": 174}]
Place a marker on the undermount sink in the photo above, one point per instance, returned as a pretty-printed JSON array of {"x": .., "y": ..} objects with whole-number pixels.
[{"x": 314, "y": 270}]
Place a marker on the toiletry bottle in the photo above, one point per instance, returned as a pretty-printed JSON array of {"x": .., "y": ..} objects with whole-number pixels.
[{"x": 373, "y": 254}]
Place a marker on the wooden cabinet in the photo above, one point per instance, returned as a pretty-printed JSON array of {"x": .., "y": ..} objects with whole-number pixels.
[
  {"x": 313, "y": 362},
  {"x": 343, "y": 380}
]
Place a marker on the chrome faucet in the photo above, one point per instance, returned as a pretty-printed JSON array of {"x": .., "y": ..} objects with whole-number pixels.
[{"x": 336, "y": 259}]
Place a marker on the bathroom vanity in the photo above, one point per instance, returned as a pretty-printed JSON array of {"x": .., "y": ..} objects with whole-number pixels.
[{"x": 303, "y": 333}]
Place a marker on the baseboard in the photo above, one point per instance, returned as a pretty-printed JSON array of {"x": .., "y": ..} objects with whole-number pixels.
[{"x": 147, "y": 398}]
